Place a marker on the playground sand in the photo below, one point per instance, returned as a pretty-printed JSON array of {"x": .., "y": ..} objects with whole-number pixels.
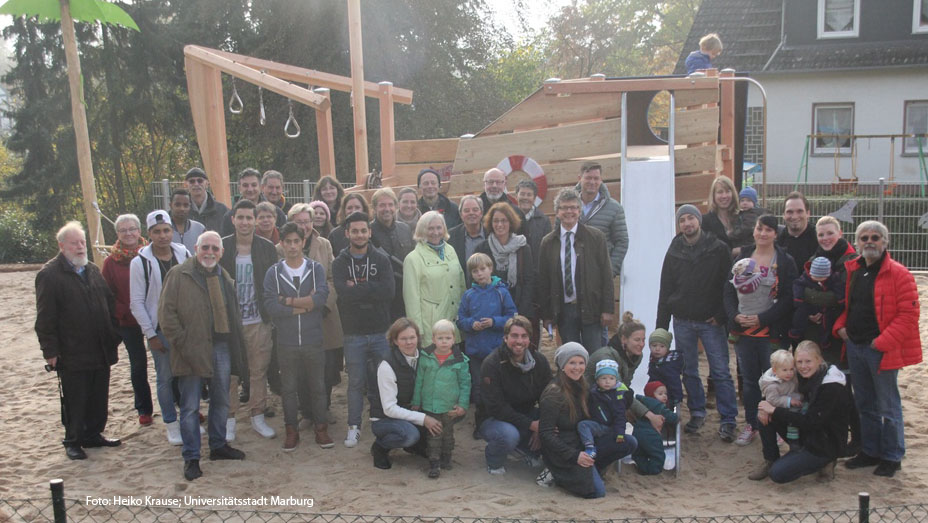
[{"x": 340, "y": 480}]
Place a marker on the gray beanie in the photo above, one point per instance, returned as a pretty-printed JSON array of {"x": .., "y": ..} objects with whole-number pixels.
[
  {"x": 689, "y": 209},
  {"x": 567, "y": 351}
]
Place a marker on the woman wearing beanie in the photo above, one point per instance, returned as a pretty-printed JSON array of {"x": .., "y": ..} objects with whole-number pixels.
[
  {"x": 562, "y": 406},
  {"x": 759, "y": 320}
]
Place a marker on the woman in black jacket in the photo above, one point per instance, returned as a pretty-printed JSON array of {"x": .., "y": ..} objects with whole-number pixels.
[
  {"x": 822, "y": 421},
  {"x": 513, "y": 259}
]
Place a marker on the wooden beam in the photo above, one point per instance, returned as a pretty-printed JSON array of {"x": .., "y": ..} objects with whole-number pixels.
[
  {"x": 691, "y": 97},
  {"x": 703, "y": 158},
  {"x": 619, "y": 86},
  {"x": 356, "y": 52},
  {"x": 310, "y": 76},
  {"x": 267, "y": 81},
  {"x": 728, "y": 121},
  {"x": 204, "y": 88},
  {"x": 387, "y": 130},
  {"x": 691, "y": 188},
  {"x": 545, "y": 145},
  {"x": 419, "y": 151},
  {"x": 697, "y": 126},
  {"x": 324, "y": 136},
  {"x": 539, "y": 110}
]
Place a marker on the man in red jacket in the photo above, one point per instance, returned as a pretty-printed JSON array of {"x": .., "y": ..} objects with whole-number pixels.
[{"x": 879, "y": 326}]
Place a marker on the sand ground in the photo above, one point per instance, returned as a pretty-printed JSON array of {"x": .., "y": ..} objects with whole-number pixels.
[{"x": 712, "y": 480}]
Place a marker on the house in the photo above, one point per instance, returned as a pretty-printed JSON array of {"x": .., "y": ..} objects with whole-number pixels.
[{"x": 846, "y": 67}]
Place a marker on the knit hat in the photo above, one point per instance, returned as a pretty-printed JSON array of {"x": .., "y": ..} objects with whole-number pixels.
[
  {"x": 689, "y": 209},
  {"x": 426, "y": 171},
  {"x": 157, "y": 218},
  {"x": 651, "y": 387},
  {"x": 317, "y": 204},
  {"x": 750, "y": 193},
  {"x": 567, "y": 351},
  {"x": 195, "y": 172},
  {"x": 661, "y": 336},
  {"x": 607, "y": 368},
  {"x": 820, "y": 268}
]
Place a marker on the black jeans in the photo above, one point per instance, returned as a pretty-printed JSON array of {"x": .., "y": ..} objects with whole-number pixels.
[
  {"x": 302, "y": 381},
  {"x": 134, "y": 341},
  {"x": 86, "y": 397}
]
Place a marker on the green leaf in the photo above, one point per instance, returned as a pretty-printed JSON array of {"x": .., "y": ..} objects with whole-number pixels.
[
  {"x": 115, "y": 15},
  {"x": 90, "y": 11},
  {"x": 43, "y": 9}
]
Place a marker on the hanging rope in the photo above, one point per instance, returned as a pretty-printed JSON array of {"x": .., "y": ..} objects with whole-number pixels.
[
  {"x": 262, "y": 120},
  {"x": 291, "y": 120},
  {"x": 235, "y": 99}
]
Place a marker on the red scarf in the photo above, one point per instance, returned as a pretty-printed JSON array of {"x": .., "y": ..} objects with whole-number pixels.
[{"x": 123, "y": 255}]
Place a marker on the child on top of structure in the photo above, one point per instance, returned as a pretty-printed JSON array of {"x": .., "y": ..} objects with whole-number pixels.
[
  {"x": 609, "y": 399},
  {"x": 817, "y": 276},
  {"x": 710, "y": 47},
  {"x": 650, "y": 457},
  {"x": 780, "y": 387},
  {"x": 666, "y": 366},
  {"x": 442, "y": 392}
]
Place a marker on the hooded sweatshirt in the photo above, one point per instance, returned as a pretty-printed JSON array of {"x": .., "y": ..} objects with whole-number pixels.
[
  {"x": 489, "y": 301},
  {"x": 364, "y": 306}
]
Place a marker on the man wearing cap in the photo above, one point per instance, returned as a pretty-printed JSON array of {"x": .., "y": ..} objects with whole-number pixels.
[
  {"x": 76, "y": 328},
  {"x": 695, "y": 268},
  {"x": 186, "y": 231},
  {"x": 146, "y": 276},
  {"x": 203, "y": 207},
  {"x": 430, "y": 199}
]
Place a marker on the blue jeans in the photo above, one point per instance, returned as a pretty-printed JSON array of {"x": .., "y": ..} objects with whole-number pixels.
[
  {"x": 795, "y": 464},
  {"x": 502, "y": 438},
  {"x": 218, "y": 404},
  {"x": 138, "y": 367},
  {"x": 687, "y": 335},
  {"x": 589, "y": 430},
  {"x": 360, "y": 352},
  {"x": 163, "y": 380},
  {"x": 877, "y": 398},
  {"x": 395, "y": 433},
  {"x": 570, "y": 328},
  {"x": 753, "y": 359},
  {"x": 598, "y": 486}
]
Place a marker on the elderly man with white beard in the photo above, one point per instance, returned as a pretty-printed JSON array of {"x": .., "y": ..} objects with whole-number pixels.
[
  {"x": 77, "y": 334},
  {"x": 199, "y": 316}
]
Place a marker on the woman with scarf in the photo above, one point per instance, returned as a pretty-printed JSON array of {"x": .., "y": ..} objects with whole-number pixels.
[
  {"x": 759, "y": 304},
  {"x": 433, "y": 280},
  {"x": 408, "y": 211},
  {"x": 116, "y": 273},
  {"x": 822, "y": 421},
  {"x": 513, "y": 260}
]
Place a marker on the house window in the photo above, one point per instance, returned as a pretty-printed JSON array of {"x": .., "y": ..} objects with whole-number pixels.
[
  {"x": 832, "y": 124},
  {"x": 920, "y": 16},
  {"x": 916, "y": 122},
  {"x": 839, "y": 18}
]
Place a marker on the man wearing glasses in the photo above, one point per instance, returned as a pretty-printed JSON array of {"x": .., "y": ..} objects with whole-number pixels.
[
  {"x": 203, "y": 207},
  {"x": 574, "y": 276},
  {"x": 879, "y": 327},
  {"x": 199, "y": 315},
  {"x": 494, "y": 190}
]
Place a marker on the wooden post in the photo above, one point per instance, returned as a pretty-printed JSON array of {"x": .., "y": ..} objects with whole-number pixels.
[
  {"x": 357, "y": 91},
  {"x": 81, "y": 135},
  {"x": 387, "y": 130},
  {"x": 727, "y": 122},
  {"x": 204, "y": 85},
  {"x": 324, "y": 136}
]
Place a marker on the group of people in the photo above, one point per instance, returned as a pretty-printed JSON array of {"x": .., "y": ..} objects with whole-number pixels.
[{"x": 431, "y": 307}]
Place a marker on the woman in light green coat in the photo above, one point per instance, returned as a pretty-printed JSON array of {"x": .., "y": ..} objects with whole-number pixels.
[{"x": 433, "y": 281}]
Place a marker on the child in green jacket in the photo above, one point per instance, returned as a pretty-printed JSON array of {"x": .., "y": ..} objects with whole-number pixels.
[
  {"x": 442, "y": 391},
  {"x": 649, "y": 456}
]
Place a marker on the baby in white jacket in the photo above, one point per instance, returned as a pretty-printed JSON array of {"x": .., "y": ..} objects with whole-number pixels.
[{"x": 780, "y": 387}]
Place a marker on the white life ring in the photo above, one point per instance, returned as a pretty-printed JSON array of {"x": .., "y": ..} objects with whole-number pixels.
[{"x": 519, "y": 163}]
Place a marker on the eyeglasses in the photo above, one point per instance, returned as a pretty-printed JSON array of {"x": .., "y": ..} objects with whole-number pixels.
[
  {"x": 127, "y": 231},
  {"x": 207, "y": 247},
  {"x": 196, "y": 181},
  {"x": 569, "y": 208},
  {"x": 304, "y": 223},
  {"x": 867, "y": 238}
]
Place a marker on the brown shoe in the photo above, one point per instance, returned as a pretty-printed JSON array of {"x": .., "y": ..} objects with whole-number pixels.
[
  {"x": 761, "y": 472},
  {"x": 292, "y": 439},
  {"x": 322, "y": 436}
]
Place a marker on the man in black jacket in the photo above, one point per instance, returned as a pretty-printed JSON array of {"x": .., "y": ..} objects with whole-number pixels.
[
  {"x": 513, "y": 378},
  {"x": 248, "y": 257},
  {"x": 203, "y": 207},
  {"x": 430, "y": 199},
  {"x": 76, "y": 330},
  {"x": 798, "y": 237},
  {"x": 394, "y": 238},
  {"x": 469, "y": 234},
  {"x": 695, "y": 269},
  {"x": 363, "y": 278}
]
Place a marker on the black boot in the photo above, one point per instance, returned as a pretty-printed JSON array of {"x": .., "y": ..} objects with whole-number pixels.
[
  {"x": 434, "y": 469},
  {"x": 192, "y": 469},
  {"x": 381, "y": 456}
]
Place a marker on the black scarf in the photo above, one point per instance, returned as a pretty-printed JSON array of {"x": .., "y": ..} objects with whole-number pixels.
[
  {"x": 835, "y": 253},
  {"x": 809, "y": 386}
]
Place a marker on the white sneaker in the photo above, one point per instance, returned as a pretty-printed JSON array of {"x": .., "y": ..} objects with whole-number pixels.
[
  {"x": 353, "y": 437},
  {"x": 670, "y": 459},
  {"x": 174, "y": 437},
  {"x": 497, "y": 471},
  {"x": 257, "y": 423},
  {"x": 628, "y": 460},
  {"x": 544, "y": 478},
  {"x": 202, "y": 430},
  {"x": 746, "y": 437},
  {"x": 230, "y": 430}
]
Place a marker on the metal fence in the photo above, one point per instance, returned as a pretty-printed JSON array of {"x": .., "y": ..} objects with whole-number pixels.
[
  {"x": 902, "y": 207},
  {"x": 59, "y": 509}
]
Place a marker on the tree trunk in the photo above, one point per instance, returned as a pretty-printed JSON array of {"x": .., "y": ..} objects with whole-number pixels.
[{"x": 114, "y": 120}]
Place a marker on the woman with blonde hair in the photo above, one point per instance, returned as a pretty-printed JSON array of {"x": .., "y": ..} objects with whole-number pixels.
[{"x": 722, "y": 217}]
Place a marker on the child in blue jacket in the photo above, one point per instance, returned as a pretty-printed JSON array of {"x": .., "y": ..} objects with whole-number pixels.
[
  {"x": 609, "y": 400},
  {"x": 666, "y": 366},
  {"x": 649, "y": 456},
  {"x": 484, "y": 309}
]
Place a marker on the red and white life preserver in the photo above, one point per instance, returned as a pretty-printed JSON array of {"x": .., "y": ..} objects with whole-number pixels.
[{"x": 530, "y": 167}]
